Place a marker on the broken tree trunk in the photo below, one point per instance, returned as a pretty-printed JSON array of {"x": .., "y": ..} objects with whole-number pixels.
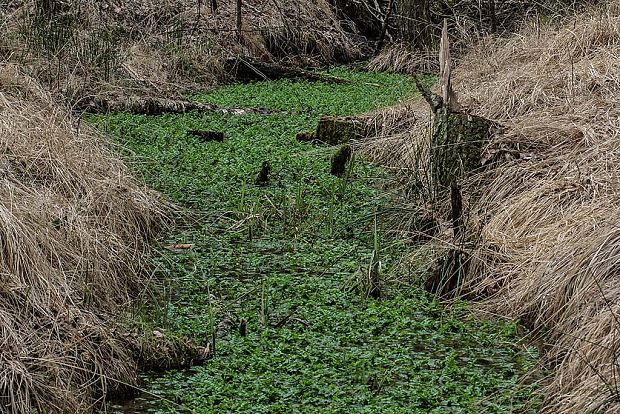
[
  {"x": 457, "y": 142},
  {"x": 247, "y": 69},
  {"x": 458, "y": 138}
]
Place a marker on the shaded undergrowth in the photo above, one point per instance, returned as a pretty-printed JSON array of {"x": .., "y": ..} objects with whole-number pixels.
[{"x": 276, "y": 274}]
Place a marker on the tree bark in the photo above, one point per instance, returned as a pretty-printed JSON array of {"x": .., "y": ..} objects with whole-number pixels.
[
  {"x": 415, "y": 23},
  {"x": 492, "y": 16},
  {"x": 239, "y": 4},
  {"x": 384, "y": 27}
]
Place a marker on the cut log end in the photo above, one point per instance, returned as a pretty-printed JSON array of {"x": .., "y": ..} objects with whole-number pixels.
[{"x": 340, "y": 130}]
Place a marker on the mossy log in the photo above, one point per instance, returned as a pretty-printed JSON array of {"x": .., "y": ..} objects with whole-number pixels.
[
  {"x": 340, "y": 130},
  {"x": 156, "y": 106}
]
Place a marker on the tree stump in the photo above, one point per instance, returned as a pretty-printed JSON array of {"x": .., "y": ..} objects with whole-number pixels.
[
  {"x": 456, "y": 147},
  {"x": 340, "y": 130},
  {"x": 340, "y": 160},
  {"x": 458, "y": 137}
]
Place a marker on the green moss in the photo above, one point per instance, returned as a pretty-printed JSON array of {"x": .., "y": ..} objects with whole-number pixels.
[
  {"x": 334, "y": 130},
  {"x": 340, "y": 160},
  {"x": 458, "y": 141}
]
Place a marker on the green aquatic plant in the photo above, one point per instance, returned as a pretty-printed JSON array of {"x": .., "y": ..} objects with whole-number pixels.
[{"x": 269, "y": 273}]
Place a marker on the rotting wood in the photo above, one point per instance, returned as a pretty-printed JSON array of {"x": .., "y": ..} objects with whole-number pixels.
[
  {"x": 248, "y": 69},
  {"x": 457, "y": 143},
  {"x": 157, "y": 106},
  {"x": 206, "y": 136},
  {"x": 262, "y": 178},
  {"x": 336, "y": 130},
  {"x": 243, "y": 327},
  {"x": 340, "y": 160},
  {"x": 445, "y": 71},
  {"x": 341, "y": 130},
  {"x": 456, "y": 210},
  {"x": 458, "y": 138}
]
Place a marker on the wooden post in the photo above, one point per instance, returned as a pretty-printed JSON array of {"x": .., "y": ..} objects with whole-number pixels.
[
  {"x": 386, "y": 20},
  {"x": 239, "y": 3}
]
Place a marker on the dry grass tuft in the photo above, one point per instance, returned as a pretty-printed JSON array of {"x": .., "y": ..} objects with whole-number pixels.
[
  {"x": 74, "y": 227},
  {"x": 165, "y": 47},
  {"x": 401, "y": 59},
  {"x": 547, "y": 216}
]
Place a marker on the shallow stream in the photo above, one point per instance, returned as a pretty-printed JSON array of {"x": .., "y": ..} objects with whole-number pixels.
[{"x": 275, "y": 273}]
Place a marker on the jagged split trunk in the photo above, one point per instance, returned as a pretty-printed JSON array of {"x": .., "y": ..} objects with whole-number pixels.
[{"x": 456, "y": 151}]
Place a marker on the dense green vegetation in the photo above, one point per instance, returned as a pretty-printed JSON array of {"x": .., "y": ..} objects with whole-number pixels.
[{"x": 287, "y": 263}]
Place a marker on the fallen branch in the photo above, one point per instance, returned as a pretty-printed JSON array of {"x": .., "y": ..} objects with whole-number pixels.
[
  {"x": 157, "y": 106},
  {"x": 247, "y": 69}
]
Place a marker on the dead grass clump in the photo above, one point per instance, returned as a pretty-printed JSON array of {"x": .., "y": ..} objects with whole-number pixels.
[
  {"x": 469, "y": 22},
  {"x": 166, "y": 47},
  {"x": 73, "y": 233},
  {"x": 547, "y": 215},
  {"x": 401, "y": 59}
]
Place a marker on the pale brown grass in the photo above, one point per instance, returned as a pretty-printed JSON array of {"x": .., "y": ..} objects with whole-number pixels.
[
  {"x": 164, "y": 47},
  {"x": 548, "y": 221},
  {"x": 74, "y": 227}
]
